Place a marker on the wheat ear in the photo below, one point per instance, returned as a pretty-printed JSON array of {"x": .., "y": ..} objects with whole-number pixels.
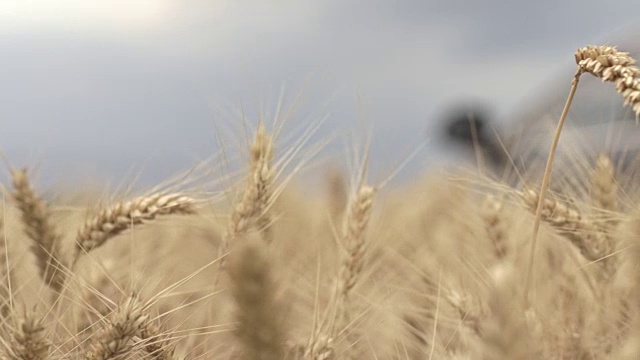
[
  {"x": 29, "y": 340},
  {"x": 609, "y": 64},
  {"x": 122, "y": 216},
  {"x": 155, "y": 342},
  {"x": 569, "y": 222},
  {"x": 260, "y": 324},
  {"x": 39, "y": 228},
  {"x": 116, "y": 338},
  {"x": 251, "y": 209},
  {"x": 604, "y": 190},
  {"x": 353, "y": 240},
  {"x": 353, "y": 243},
  {"x": 494, "y": 225}
]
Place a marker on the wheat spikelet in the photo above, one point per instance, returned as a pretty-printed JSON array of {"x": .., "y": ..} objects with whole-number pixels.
[
  {"x": 611, "y": 65},
  {"x": 494, "y": 225},
  {"x": 112, "y": 221},
  {"x": 469, "y": 314},
  {"x": 29, "y": 339},
  {"x": 38, "y": 227},
  {"x": 116, "y": 338},
  {"x": 156, "y": 343},
  {"x": 592, "y": 243},
  {"x": 260, "y": 324},
  {"x": 320, "y": 347},
  {"x": 604, "y": 190}
]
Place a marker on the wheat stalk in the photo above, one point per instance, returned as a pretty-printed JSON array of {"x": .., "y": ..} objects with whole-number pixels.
[
  {"x": 260, "y": 323},
  {"x": 608, "y": 64},
  {"x": 39, "y": 228},
  {"x": 122, "y": 216}
]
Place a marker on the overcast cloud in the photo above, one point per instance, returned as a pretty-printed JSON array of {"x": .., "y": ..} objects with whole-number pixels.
[{"x": 99, "y": 87}]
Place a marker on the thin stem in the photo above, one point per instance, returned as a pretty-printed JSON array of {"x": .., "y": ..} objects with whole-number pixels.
[{"x": 546, "y": 178}]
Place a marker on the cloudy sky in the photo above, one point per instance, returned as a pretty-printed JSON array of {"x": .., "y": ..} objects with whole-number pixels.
[{"x": 96, "y": 88}]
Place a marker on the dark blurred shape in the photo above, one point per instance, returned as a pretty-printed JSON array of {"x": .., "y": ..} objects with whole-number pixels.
[{"x": 469, "y": 124}]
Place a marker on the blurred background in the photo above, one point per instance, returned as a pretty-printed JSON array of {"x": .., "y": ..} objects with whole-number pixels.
[{"x": 105, "y": 89}]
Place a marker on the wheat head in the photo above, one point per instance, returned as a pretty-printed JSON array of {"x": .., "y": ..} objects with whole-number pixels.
[
  {"x": 40, "y": 229},
  {"x": 122, "y": 216}
]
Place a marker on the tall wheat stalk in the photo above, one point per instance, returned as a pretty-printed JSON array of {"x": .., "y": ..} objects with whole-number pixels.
[{"x": 610, "y": 65}]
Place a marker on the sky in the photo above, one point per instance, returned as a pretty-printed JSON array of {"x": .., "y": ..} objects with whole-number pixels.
[{"x": 103, "y": 89}]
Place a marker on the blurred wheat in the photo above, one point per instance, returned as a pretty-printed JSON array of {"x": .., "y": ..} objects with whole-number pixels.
[{"x": 432, "y": 270}]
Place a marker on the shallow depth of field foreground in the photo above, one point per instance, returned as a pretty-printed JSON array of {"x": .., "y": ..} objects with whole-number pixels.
[{"x": 219, "y": 264}]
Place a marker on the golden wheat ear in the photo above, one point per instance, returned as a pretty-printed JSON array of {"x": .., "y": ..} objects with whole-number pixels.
[
  {"x": 583, "y": 233},
  {"x": 252, "y": 208},
  {"x": 129, "y": 328},
  {"x": 354, "y": 240},
  {"x": 40, "y": 229},
  {"x": 353, "y": 247},
  {"x": 124, "y": 215},
  {"x": 611, "y": 65}
]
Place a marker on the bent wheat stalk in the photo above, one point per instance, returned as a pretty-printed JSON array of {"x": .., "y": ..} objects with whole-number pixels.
[
  {"x": 122, "y": 216},
  {"x": 609, "y": 64}
]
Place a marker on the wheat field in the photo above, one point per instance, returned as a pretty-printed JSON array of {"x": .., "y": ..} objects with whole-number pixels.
[{"x": 451, "y": 266}]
